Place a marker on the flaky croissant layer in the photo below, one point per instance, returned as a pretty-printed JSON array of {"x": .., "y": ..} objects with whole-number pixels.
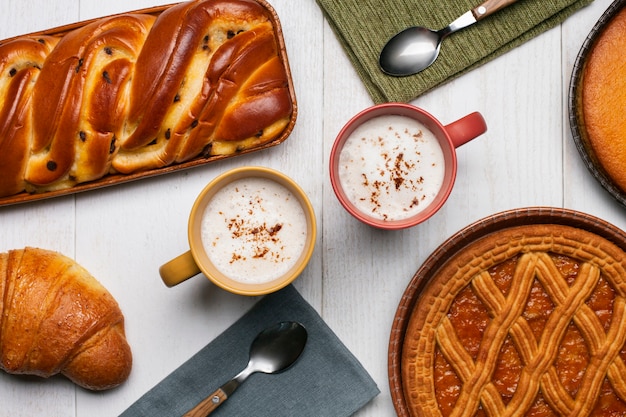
[
  {"x": 134, "y": 92},
  {"x": 55, "y": 318}
]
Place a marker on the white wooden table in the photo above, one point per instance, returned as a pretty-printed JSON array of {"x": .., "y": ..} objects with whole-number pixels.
[{"x": 357, "y": 274}]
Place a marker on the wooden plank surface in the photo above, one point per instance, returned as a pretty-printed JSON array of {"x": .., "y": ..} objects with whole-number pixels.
[{"x": 357, "y": 274}]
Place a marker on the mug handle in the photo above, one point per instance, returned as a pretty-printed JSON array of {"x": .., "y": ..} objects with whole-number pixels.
[
  {"x": 179, "y": 269},
  {"x": 466, "y": 128}
]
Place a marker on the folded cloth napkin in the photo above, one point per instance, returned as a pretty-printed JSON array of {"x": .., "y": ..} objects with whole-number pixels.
[
  {"x": 327, "y": 380},
  {"x": 364, "y": 26}
]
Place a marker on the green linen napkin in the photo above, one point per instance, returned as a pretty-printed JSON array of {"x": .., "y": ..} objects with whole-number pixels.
[
  {"x": 326, "y": 381},
  {"x": 364, "y": 26}
]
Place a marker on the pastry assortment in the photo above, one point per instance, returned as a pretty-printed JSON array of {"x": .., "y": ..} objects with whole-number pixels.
[
  {"x": 137, "y": 92},
  {"x": 528, "y": 320},
  {"x": 56, "y": 318}
]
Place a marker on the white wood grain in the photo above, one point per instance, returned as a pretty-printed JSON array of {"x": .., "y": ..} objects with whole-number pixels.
[{"x": 357, "y": 274}]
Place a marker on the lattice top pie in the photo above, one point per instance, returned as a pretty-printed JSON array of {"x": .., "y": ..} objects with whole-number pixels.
[{"x": 528, "y": 321}]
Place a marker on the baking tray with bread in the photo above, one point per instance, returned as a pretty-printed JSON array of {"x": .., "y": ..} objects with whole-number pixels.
[{"x": 139, "y": 94}]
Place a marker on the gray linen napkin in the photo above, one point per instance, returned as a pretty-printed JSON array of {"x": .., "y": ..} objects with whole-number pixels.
[{"x": 327, "y": 380}]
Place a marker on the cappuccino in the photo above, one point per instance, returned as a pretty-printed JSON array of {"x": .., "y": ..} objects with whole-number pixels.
[
  {"x": 254, "y": 230},
  {"x": 391, "y": 167}
]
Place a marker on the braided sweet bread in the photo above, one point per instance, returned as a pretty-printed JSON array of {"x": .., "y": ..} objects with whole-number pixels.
[
  {"x": 528, "y": 321},
  {"x": 138, "y": 91}
]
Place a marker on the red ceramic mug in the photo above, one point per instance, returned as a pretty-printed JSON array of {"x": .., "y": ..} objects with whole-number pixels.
[{"x": 393, "y": 165}]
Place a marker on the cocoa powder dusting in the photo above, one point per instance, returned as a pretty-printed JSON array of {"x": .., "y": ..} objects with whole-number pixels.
[
  {"x": 262, "y": 236},
  {"x": 395, "y": 174}
]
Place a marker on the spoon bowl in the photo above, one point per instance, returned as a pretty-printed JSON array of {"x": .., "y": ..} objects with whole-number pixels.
[
  {"x": 411, "y": 51},
  {"x": 416, "y": 48},
  {"x": 274, "y": 350}
]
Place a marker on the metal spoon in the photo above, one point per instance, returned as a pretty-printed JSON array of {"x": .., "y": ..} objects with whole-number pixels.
[
  {"x": 273, "y": 350},
  {"x": 416, "y": 48}
]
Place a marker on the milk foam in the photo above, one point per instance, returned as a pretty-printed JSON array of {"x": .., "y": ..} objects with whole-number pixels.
[
  {"x": 254, "y": 230},
  {"x": 391, "y": 167}
]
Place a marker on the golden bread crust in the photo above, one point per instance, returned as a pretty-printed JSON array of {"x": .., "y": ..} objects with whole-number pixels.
[
  {"x": 530, "y": 320},
  {"x": 56, "y": 318},
  {"x": 21, "y": 61},
  {"x": 78, "y": 99}
]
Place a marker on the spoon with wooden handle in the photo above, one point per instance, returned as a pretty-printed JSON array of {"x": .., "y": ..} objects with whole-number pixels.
[
  {"x": 416, "y": 48},
  {"x": 273, "y": 350}
]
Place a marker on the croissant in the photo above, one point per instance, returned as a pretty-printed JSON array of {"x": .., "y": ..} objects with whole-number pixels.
[
  {"x": 138, "y": 91},
  {"x": 56, "y": 318}
]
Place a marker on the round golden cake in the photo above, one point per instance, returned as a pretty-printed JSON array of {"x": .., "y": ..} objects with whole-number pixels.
[
  {"x": 526, "y": 321},
  {"x": 603, "y": 92}
]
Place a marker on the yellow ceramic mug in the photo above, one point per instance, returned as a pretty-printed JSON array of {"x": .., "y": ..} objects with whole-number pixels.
[{"x": 259, "y": 242}]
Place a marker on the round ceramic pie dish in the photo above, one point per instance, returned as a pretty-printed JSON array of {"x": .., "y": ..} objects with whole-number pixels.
[
  {"x": 578, "y": 124},
  {"x": 550, "y": 281}
]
